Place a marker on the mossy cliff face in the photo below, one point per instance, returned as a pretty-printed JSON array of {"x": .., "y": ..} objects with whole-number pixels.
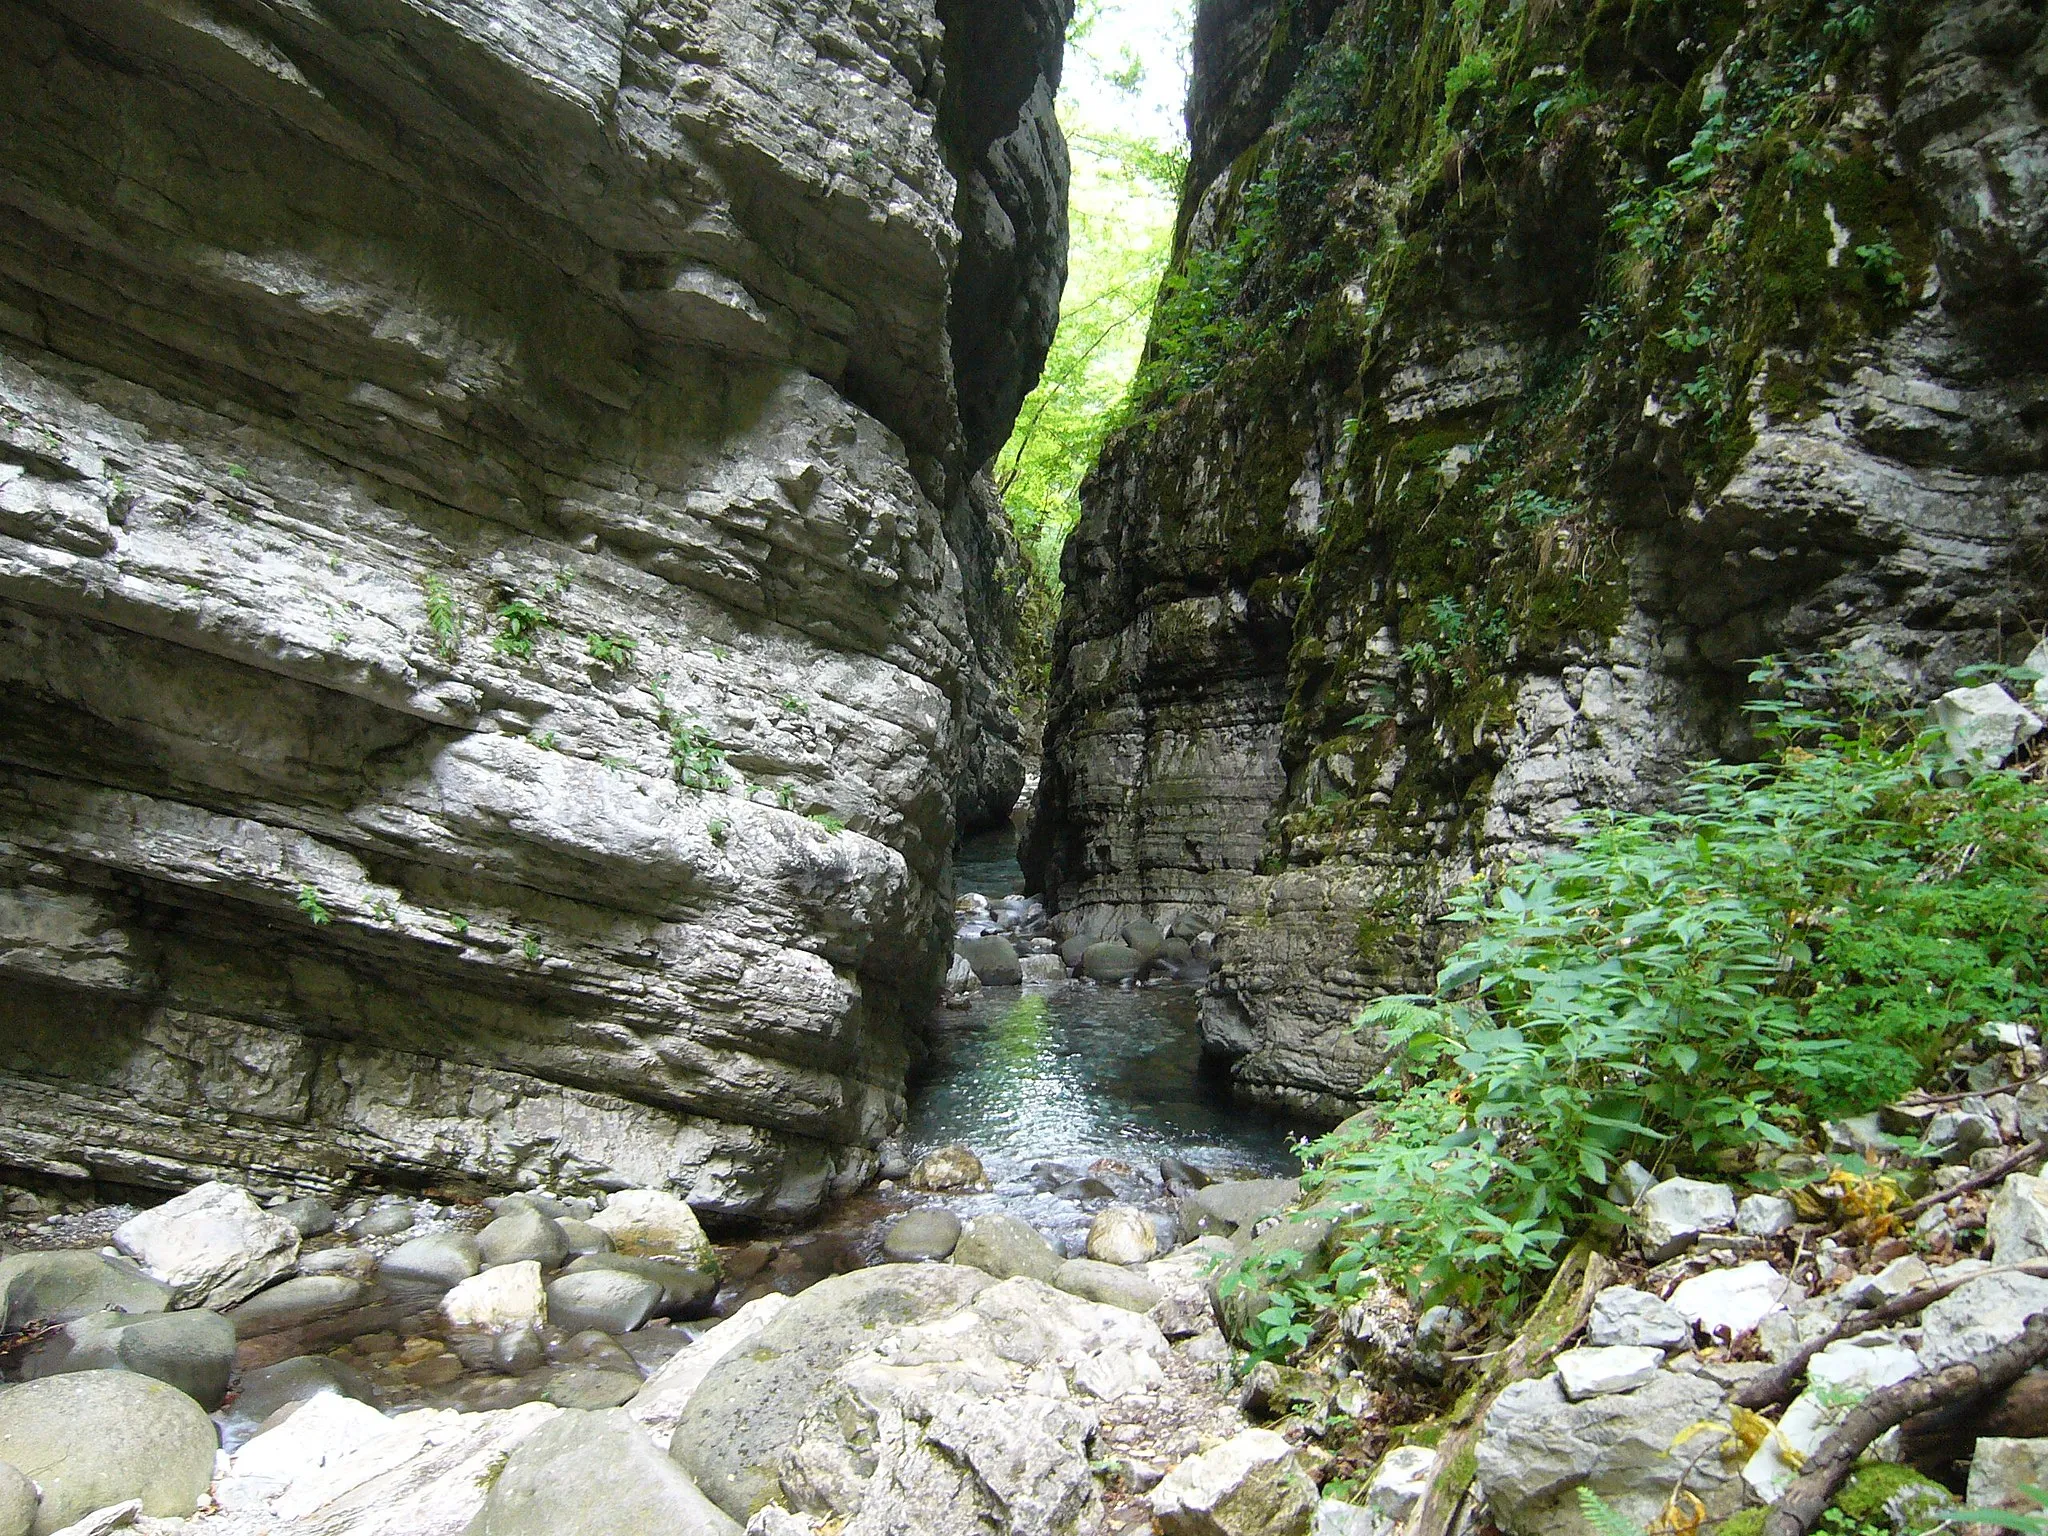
[
  {"x": 1527, "y": 369},
  {"x": 430, "y": 436}
]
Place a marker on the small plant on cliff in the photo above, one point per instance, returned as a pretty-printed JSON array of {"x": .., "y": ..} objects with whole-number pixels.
[
  {"x": 520, "y": 625},
  {"x": 444, "y": 618},
  {"x": 308, "y": 901},
  {"x": 614, "y": 651},
  {"x": 1800, "y": 938}
]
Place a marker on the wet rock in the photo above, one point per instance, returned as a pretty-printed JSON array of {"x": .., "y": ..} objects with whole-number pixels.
[
  {"x": 1672, "y": 1214},
  {"x": 60, "y": 1285},
  {"x": 444, "y": 1259},
  {"x": 320, "y": 1431},
  {"x": 1597, "y": 1370},
  {"x": 261, "y": 1393},
  {"x": 517, "y": 1352},
  {"x": 1143, "y": 938},
  {"x": 387, "y": 1219},
  {"x": 103, "y": 1437},
  {"x": 1082, "y": 1191},
  {"x": 660, "y": 1402},
  {"x": 522, "y": 1233},
  {"x": 1977, "y": 1317},
  {"x": 1122, "y": 1234},
  {"x": 655, "y": 1224},
  {"x": 948, "y": 1168},
  {"x": 1251, "y": 1485},
  {"x": 921, "y": 1235},
  {"x": 1110, "y": 964},
  {"x": 1071, "y": 951},
  {"x": 582, "y": 1386},
  {"x": 1537, "y": 1449},
  {"x": 192, "y": 1351},
  {"x": 356, "y": 1263},
  {"x": 509, "y": 1296},
  {"x": 610, "y": 1301},
  {"x": 309, "y": 1215},
  {"x": 1732, "y": 1302},
  {"x": 583, "y": 1238},
  {"x": 595, "y": 1474},
  {"x": 1182, "y": 1179},
  {"x": 18, "y": 1501},
  {"x": 1222, "y": 1208},
  {"x": 994, "y": 961},
  {"x": 686, "y": 1288},
  {"x": 2017, "y": 1224},
  {"x": 1043, "y": 971},
  {"x": 295, "y": 1302},
  {"x": 1623, "y": 1315},
  {"x": 213, "y": 1245},
  {"x": 1001, "y": 1245},
  {"x": 1110, "y": 1284},
  {"x": 1765, "y": 1216}
]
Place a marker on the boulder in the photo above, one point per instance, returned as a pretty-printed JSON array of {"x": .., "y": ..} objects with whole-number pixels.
[
  {"x": 521, "y": 1233},
  {"x": 1110, "y": 1284},
  {"x": 1110, "y": 964},
  {"x": 731, "y": 1434},
  {"x": 444, "y": 1259},
  {"x": 1596, "y": 1370},
  {"x": 2001, "y": 1470},
  {"x": 660, "y": 1401},
  {"x": 1734, "y": 1301},
  {"x": 687, "y": 1289},
  {"x": 1982, "y": 726},
  {"x": 1071, "y": 951},
  {"x": 2017, "y": 1224},
  {"x": 62, "y": 1285},
  {"x": 1043, "y": 970},
  {"x": 1888, "y": 1284},
  {"x": 595, "y": 1474},
  {"x": 18, "y": 1502},
  {"x": 387, "y": 1218},
  {"x": 1333, "y": 1517},
  {"x": 262, "y": 1392},
  {"x": 1224, "y": 1207},
  {"x": 1764, "y": 1216},
  {"x": 1122, "y": 1234},
  {"x": 103, "y": 1437},
  {"x": 507, "y": 1297},
  {"x": 584, "y": 1238},
  {"x": 1979, "y": 1316},
  {"x": 927, "y": 1234},
  {"x": 321, "y": 1430},
  {"x": 1838, "y": 1378},
  {"x": 1250, "y": 1485},
  {"x": 309, "y": 1215},
  {"x": 1002, "y": 1246},
  {"x": 589, "y": 1387},
  {"x": 1401, "y": 1481},
  {"x": 297, "y": 1301},
  {"x": 1108, "y": 1374},
  {"x": 212, "y": 1246},
  {"x": 1624, "y": 1315},
  {"x": 654, "y": 1224},
  {"x": 961, "y": 982},
  {"x": 1672, "y": 1214},
  {"x": 993, "y": 961},
  {"x": 1537, "y": 1449},
  {"x": 948, "y": 1168},
  {"x": 608, "y": 1300},
  {"x": 192, "y": 1351},
  {"x": 1144, "y": 939}
]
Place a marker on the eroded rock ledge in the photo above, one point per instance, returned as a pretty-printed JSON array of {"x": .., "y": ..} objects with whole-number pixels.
[{"x": 327, "y": 332}]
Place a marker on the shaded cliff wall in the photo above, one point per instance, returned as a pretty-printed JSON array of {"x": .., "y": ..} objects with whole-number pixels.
[
  {"x": 429, "y": 434},
  {"x": 1526, "y": 371}
]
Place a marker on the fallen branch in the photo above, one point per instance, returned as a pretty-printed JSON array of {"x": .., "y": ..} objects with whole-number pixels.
[
  {"x": 1769, "y": 1388},
  {"x": 1800, "y": 1507},
  {"x": 1919, "y": 1097},
  {"x": 1976, "y": 1181}
]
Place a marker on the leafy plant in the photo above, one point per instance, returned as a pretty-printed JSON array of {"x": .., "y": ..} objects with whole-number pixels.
[
  {"x": 2028, "y": 1522},
  {"x": 520, "y": 625},
  {"x": 833, "y": 824},
  {"x": 716, "y": 831},
  {"x": 614, "y": 651},
  {"x": 785, "y": 796},
  {"x": 790, "y": 704},
  {"x": 461, "y": 925},
  {"x": 444, "y": 619},
  {"x": 308, "y": 901},
  {"x": 382, "y": 909},
  {"x": 530, "y": 947},
  {"x": 545, "y": 740}
]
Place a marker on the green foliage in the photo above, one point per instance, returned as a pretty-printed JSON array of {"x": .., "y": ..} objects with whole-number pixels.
[
  {"x": 444, "y": 618},
  {"x": 382, "y": 909},
  {"x": 545, "y": 740},
  {"x": 520, "y": 625},
  {"x": 1799, "y": 938},
  {"x": 2028, "y": 1522},
  {"x": 831, "y": 823},
  {"x": 790, "y": 704},
  {"x": 530, "y": 947},
  {"x": 308, "y": 901},
  {"x": 716, "y": 831},
  {"x": 1603, "y": 1517},
  {"x": 614, "y": 651},
  {"x": 461, "y": 925}
]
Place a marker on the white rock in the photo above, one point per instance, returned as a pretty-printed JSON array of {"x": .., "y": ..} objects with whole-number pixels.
[
  {"x": 1599, "y": 1370},
  {"x": 1984, "y": 725},
  {"x": 653, "y": 1223},
  {"x": 1889, "y": 1283},
  {"x": 1109, "y": 1374},
  {"x": 320, "y": 1430},
  {"x": 1765, "y": 1216},
  {"x": 115, "y": 1517},
  {"x": 500, "y": 1299},
  {"x": 2037, "y": 663},
  {"x": 426, "y": 1475},
  {"x": 1250, "y": 1485},
  {"x": 1734, "y": 1300},
  {"x": 1122, "y": 1234},
  {"x": 1401, "y": 1481},
  {"x": 2002, "y": 1469},
  {"x": 1840, "y": 1376},
  {"x": 1670, "y": 1215},
  {"x": 2018, "y": 1221},
  {"x": 1982, "y": 1315},
  {"x": 1624, "y": 1315},
  {"x": 213, "y": 1245},
  {"x": 1333, "y": 1517}
]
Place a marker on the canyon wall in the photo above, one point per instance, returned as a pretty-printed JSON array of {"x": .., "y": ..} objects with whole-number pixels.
[
  {"x": 1524, "y": 373},
  {"x": 497, "y": 610}
]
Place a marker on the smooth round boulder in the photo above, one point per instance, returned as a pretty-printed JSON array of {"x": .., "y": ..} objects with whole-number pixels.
[
  {"x": 608, "y": 1300},
  {"x": 993, "y": 959},
  {"x": 445, "y": 1259},
  {"x": 927, "y": 1234},
  {"x": 291, "y": 1303},
  {"x": 1122, "y": 1234},
  {"x": 507, "y": 1296},
  {"x": 1081, "y": 1191},
  {"x": 595, "y": 1474},
  {"x": 18, "y": 1501},
  {"x": 1110, "y": 964},
  {"x": 264, "y": 1391},
  {"x": 309, "y": 1215},
  {"x": 387, "y": 1220},
  {"x": 1110, "y": 1284},
  {"x": 192, "y": 1351},
  {"x": 655, "y": 1224},
  {"x": 949, "y": 1168},
  {"x": 63, "y": 1285},
  {"x": 583, "y": 1237},
  {"x": 1144, "y": 939},
  {"x": 686, "y": 1289},
  {"x": 104, "y": 1437},
  {"x": 1071, "y": 950},
  {"x": 583, "y": 1386},
  {"x": 1001, "y": 1245},
  {"x": 522, "y": 1234}
]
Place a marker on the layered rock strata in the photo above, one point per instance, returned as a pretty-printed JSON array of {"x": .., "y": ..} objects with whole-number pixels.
[
  {"x": 495, "y": 608},
  {"x": 1522, "y": 378}
]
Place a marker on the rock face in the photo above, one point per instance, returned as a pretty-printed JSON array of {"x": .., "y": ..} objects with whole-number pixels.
[
  {"x": 1424, "y": 537},
  {"x": 446, "y": 452}
]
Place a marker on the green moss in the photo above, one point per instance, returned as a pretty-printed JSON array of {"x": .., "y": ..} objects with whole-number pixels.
[
  {"x": 1875, "y": 1485},
  {"x": 1457, "y": 1477},
  {"x": 1744, "y": 1522}
]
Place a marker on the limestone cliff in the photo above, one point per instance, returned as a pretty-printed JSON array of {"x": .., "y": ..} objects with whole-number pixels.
[
  {"x": 1525, "y": 371},
  {"x": 474, "y": 478}
]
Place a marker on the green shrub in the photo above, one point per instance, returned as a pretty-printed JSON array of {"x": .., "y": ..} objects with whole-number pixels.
[
  {"x": 308, "y": 901},
  {"x": 520, "y": 624},
  {"x": 1799, "y": 938},
  {"x": 614, "y": 651},
  {"x": 444, "y": 618}
]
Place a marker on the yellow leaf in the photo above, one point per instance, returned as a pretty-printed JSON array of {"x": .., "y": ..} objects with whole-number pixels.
[
  {"x": 1700, "y": 1427},
  {"x": 1751, "y": 1429},
  {"x": 1683, "y": 1516}
]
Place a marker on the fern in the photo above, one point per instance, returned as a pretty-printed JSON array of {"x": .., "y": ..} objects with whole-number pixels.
[{"x": 1605, "y": 1519}]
